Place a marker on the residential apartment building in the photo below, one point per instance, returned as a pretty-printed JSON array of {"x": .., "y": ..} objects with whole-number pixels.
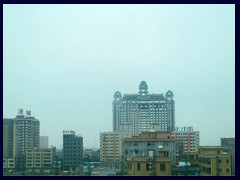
[
  {"x": 40, "y": 159},
  {"x": 9, "y": 138},
  {"x": 19, "y": 134},
  {"x": 152, "y": 165},
  {"x": 146, "y": 141},
  {"x": 111, "y": 144},
  {"x": 228, "y": 145},
  {"x": 187, "y": 141},
  {"x": 72, "y": 151},
  {"x": 8, "y": 164},
  {"x": 27, "y": 133},
  {"x": 143, "y": 109},
  {"x": 214, "y": 161}
]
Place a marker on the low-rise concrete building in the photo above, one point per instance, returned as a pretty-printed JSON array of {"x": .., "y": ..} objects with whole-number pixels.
[
  {"x": 40, "y": 159},
  {"x": 140, "y": 145},
  {"x": 214, "y": 161},
  {"x": 228, "y": 145},
  {"x": 155, "y": 164}
]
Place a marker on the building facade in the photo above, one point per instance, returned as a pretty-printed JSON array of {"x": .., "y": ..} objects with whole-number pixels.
[
  {"x": 9, "y": 138},
  {"x": 228, "y": 145},
  {"x": 40, "y": 159},
  {"x": 187, "y": 141},
  {"x": 146, "y": 141},
  {"x": 27, "y": 133},
  {"x": 214, "y": 161},
  {"x": 72, "y": 151},
  {"x": 19, "y": 134},
  {"x": 151, "y": 165},
  {"x": 143, "y": 109},
  {"x": 111, "y": 144}
]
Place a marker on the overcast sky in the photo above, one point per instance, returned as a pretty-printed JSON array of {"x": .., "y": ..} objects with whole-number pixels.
[{"x": 64, "y": 63}]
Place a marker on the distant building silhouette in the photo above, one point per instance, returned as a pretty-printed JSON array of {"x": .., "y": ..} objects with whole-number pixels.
[
  {"x": 44, "y": 141},
  {"x": 142, "y": 110}
]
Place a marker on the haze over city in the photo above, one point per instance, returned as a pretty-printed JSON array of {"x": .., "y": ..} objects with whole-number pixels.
[{"x": 65, "y": 62}]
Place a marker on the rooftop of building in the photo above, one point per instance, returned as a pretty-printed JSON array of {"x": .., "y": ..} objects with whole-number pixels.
[
  {"x": 153, "y": 136},
  {"x": 210, "y": 147},
  {"x": 143, "y": 95},
  {"x": 149, "y": 97}
]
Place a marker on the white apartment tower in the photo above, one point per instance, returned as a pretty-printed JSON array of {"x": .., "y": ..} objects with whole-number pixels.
[{"x": 142, "y": 110}]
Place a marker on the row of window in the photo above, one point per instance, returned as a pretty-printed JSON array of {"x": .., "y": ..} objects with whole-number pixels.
[{"x": 148, "y": 166}]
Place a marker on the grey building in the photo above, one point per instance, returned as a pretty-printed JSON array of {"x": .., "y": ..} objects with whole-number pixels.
[
  {"x": 72, "y": 151},
  {"x": 9, "y": 138},
  {"x": 150, "y": 141},
  {"x": 27, "y": 133},
  {"x": 19, "y": 134},
  {"x": 40, "y": 159},
  {"x": 143, "y": 109}
]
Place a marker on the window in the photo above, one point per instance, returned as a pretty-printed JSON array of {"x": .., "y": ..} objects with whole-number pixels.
[
  {"x": 162, "y": 167},
  {"x": 227, "y": 160},
  {"x": 208, "y": 170},
  {"x": 219, "y": 161},
  {"x": 227, "y": 170},
  {"x": 138, "y": 166},
  {"x": 148, "y": 166}
]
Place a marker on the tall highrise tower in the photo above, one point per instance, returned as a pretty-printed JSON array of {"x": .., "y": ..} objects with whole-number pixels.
[
  {"x": 143, "y": 109},
  {"x": 27, "y": 133},
  {"x": 20, "y": 133}
]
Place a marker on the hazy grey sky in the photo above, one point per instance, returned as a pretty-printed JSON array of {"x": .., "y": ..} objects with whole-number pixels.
[{"x": 64, "y": 63}]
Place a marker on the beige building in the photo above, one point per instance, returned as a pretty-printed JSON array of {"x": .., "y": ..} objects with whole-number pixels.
[
  {"x": 151, "y": 165},
  {"x": 40, "y": 159},
  {"x": 111, "y": 148},
  {"x": 191, "y": 157},
  {"x": 8, "y": 164},
  {"x": 214, "y": 161},
  {"x": 187, "y": 141},
  {"x": 228, "y": 145},
  {"x": 140, "y": 145}
]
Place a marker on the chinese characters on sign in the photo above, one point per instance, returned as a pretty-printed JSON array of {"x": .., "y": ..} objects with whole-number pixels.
[
  {"x": 69, "y": 132},
  {"x": 190, "y": 128},
  {"x": 28, "y": 113},
  {"x": 20, "y": 111}
]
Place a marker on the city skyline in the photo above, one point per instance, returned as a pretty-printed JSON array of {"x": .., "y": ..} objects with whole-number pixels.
[{"x": 64, "y": 63}]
